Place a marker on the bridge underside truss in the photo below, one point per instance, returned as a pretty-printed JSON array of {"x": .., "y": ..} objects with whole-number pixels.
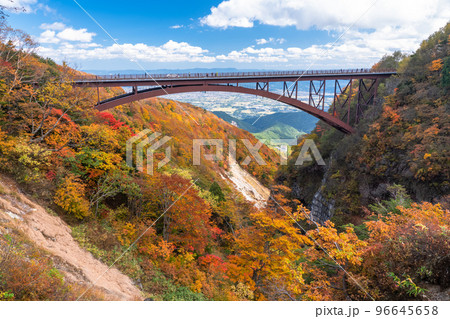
[{"x": 341, "y": 114}]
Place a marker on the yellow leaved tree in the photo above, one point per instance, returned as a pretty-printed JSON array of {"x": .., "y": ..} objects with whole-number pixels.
[{"x": 70, "y": 197}]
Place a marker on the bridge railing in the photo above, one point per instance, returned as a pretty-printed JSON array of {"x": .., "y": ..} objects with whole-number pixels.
[{"x": 147, "y": 76}]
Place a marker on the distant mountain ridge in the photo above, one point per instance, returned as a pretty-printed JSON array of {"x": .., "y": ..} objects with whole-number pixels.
[
  {"x": 278, "y": 131},
  {"x": 277, "y": 125},
  {"x": 300, "y": 121},
  {"x": 237, "y": 122}
]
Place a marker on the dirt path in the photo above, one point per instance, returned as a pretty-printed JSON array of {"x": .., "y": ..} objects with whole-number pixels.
[
  {"x": 247, "y": 185},
  {"x": 53, "y": 234}
]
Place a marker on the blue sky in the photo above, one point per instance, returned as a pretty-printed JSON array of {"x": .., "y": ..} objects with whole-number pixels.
[{"x": 249, "y": 34}]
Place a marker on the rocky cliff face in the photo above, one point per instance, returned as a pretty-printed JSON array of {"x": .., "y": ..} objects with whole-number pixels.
[{"x": 321, "y": 208}]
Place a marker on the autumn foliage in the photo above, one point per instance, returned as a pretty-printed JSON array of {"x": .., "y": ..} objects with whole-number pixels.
[{"x": 186, "y": 234}]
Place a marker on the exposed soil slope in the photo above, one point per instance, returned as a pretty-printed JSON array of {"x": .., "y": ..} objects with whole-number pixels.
[
  {"x": 247, "y": 185},
  {"x": 53, "y": 234}
]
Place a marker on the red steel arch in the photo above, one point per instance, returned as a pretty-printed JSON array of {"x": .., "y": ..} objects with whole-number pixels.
[{"x": 160, "y": 91}]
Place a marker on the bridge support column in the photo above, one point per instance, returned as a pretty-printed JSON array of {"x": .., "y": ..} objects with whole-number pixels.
[
  {"x": 264, "y": 86},
  {"x": 338, "y": 102},
  {"x": 366, "y": 96},
  {"x": 318, "y": 93},
  {"x": 288, "y": 92}
]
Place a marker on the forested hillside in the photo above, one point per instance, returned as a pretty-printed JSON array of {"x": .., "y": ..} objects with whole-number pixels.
[
  {"x": 399, "y": 155},
  {"x": 403, "y": 139},
  {"x": 185, "y": 233},
  {"x": 72, "y": 158}
]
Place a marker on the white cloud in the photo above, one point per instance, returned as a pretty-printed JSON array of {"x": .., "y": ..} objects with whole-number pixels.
[
  {"x": 316, "y": 56},
  {"x": 250, "y": 55},
  {"x": 177, "y": 26},
  {"x": 53, "y": 26},
  {"x": 48, "y": 36},
  {"x": 87, "y": 45},
  {"x": 365, "y": 48},
  {"x": 270, "y": 40},
  {"x": 375, "y": 34},
  {"x": 46, "y": 8},
  {"x": 375, "y": 28},
  {"x": 325, "y": 14},
  {"x": 171, "y": 51},
  {"x": 70, "y": 34},
  {"x": 22, "y": 5}
]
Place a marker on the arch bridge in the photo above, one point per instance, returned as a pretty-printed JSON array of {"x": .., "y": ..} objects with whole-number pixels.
[{"x": 256, "y": 83}]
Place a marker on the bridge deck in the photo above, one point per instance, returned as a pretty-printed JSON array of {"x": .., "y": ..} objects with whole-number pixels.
[
  {"x": 229, "y": 77},
  {"x": 161, "y": 84}
]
